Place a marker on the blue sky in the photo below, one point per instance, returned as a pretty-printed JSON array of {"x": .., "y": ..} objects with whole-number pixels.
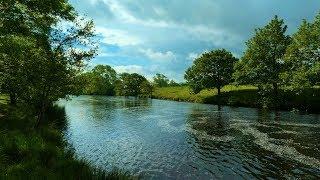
[{"x": 164, "y": 36}]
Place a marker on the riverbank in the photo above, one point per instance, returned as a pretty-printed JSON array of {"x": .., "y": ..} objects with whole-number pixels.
[
  {"x": 244, "y": 96},
  {"x": 28, "y": 153}
]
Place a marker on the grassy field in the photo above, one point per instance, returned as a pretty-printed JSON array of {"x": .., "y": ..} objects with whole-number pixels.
[
  {"x": 182, "y": 93},
  {"x": 28, "y": 153},
  {"x": 245, "y": 96}
]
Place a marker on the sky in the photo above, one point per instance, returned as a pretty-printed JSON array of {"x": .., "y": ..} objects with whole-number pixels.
[{"x": 165, "y": 36}]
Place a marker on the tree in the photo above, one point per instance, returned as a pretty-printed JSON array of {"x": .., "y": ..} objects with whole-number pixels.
[
  {"x": 212, "y": 70},
  {"x": 263, "y": 61},
  {"x": 160, "y": 80},
  {"x": 99, "y": 81},
  {"x": 132, "y": 85},
  {"x": 22, "y": 24},
  {"x": 43, "y": 59},
  {"x": 303, "y": 56},
  {"x": 172, "y": 83},
  {"x": 146, "y": 88}
]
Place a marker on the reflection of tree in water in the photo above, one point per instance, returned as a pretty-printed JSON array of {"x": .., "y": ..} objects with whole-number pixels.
[
  {"x": 132, "y": 102},
  {"x": 267, "y": 116},
  {"x": 243, "y": 151},
  {"x": 104, "y": 107},
  {"x": 211, "y": 121}
]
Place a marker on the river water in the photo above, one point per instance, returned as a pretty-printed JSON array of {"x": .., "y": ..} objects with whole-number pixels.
[{"x": 158, "y": 139}]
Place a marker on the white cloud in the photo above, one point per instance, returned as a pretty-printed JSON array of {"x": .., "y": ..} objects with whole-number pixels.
[
  {"x": 129, "y": 69},
  {"x": 192, "y": 56},
  {"x": 117, "y": 37},
  {"x": 158, "y": 56},
  {"x": 134, "y": 69}
]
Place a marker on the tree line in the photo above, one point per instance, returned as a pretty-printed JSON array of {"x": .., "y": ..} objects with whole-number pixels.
[
  {"x": 104, "y": 80},
  {"x": 41, "y": 62},
  {"x": 272, "y": 61}
]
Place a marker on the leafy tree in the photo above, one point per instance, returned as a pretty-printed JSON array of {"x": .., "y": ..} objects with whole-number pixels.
[
  {"x": 20, "y": 22},
  {"x": 172, "y": 83},
  {"x": 146, "y": 88},
  {"x": 303, "y": 56},
  {"x": 40, "y": 60},
  {"x": 100, "y": 81},
  {"x": 132, "y": 85},
  {"x": 212, "y": 70},
  {"x": 263, "y": 62},
  {"x": 160, "y": 80}
]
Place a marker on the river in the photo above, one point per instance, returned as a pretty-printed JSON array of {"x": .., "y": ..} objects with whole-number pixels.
[{"x": 158, "y": 139}]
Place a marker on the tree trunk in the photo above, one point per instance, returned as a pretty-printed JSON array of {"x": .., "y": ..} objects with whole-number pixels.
[
  {"x": 40, "y": 115},
  {"x": 219, "y": 91},
  {"x": 275, "y": 89},
  {"x": 13, "y": 98}
]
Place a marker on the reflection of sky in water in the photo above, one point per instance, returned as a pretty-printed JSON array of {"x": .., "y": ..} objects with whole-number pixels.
[{"x": 164, "y": 139}]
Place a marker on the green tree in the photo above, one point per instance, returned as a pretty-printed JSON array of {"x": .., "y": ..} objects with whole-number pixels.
[
  {"x": 303, "y": 56},
  {"x": 146, "y": 88},
  {"x": 99, "y": 81},
  {"x": 160, "y": 80},
  {"x": 263, "y": 61},
  {"x": 212, "y": 70},
  {"x": 172, "y": 83},
  {"x": 41, "y": 59},
  {"x": 132, "y": 85},
  {"x": 20, "y": 22}
]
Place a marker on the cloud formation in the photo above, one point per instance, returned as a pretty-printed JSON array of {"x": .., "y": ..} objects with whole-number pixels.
[{"x": 150, "y": 36}]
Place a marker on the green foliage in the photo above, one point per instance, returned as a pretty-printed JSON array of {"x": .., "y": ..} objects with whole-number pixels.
[
  {"x": 38, "y": 60},
  {"x": 173, "y": 83},
  {"x": 303, "y": 56},
  {"x": 160, "y": 80},
  {"x": 132, "y": 85},
  {"x": 263, "y": 62},
  {"x": 33, "y": 18},
  {"x": 99, "y": 81},
  {"x": 212, "y": 70}
]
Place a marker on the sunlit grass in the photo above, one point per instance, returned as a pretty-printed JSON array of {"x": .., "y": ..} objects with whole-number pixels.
[
  {"x": 246, "y": 96},
  {"x": 3, "y": 99},
  {"x": 183, "y": 93}
]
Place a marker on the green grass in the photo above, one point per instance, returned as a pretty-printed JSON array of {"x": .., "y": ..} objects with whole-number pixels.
[
  {"x": 28, "y": 153},
  {"x": 245, "y": 96},
  {"x": 4, "y": 99},
  {"x": 182, "y": 93}
]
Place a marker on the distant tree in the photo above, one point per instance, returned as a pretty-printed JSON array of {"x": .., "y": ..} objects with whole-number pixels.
[
  {"x": 173, "y": 83},
  {"x": 212, "y": 70},
  {"x": 146, "y": 88},
  {"x": 303, "y": 56},
  {"x": 132, "y": 85},
  {"x": 99, "y": 81},
  {"x": 160, "y": 80},
  {"x": 263, "y": 61}
]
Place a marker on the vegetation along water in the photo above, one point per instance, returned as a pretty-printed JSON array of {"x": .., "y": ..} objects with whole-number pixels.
[{"x": 68, "y": 111}]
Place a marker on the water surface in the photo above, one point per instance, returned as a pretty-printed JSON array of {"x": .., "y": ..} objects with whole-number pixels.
[{"x": 174, "y": 140}]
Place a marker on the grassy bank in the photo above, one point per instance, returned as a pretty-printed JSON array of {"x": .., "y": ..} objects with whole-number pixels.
[
  {"x": 244, "y": 96},
  {"x": 30, "y": 153}
]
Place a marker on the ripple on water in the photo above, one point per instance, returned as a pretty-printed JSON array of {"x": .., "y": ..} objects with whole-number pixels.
[
  {"x": 203, "y": 135},
  {"x": 164, "y": 139},
  {"x": 286, "y": 151}
]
